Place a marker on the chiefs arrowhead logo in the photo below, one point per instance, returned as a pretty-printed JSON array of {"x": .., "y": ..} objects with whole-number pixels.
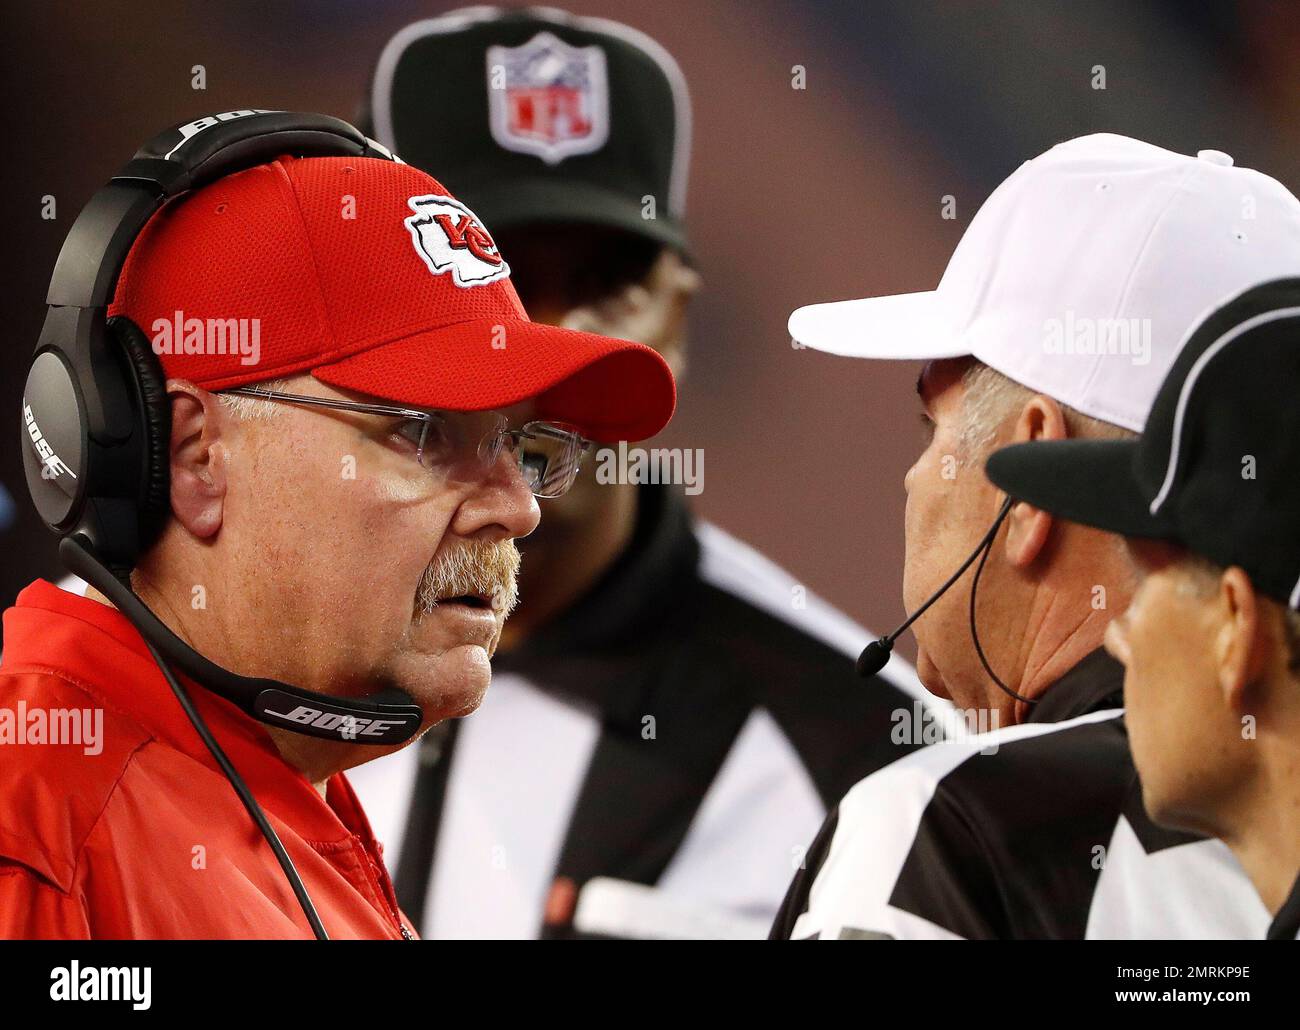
[{"x": 449, "y": 237}]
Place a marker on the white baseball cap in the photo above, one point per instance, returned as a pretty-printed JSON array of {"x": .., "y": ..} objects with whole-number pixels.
[{"x": 1083, "y": 273}]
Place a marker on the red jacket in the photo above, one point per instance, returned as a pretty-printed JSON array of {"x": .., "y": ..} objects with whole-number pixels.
[{"x": 146, "y": 838}]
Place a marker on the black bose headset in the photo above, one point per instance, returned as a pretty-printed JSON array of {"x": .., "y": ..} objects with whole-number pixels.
[{"x": 97, "y": 425}]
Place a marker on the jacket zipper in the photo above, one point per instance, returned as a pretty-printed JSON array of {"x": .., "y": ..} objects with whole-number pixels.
[{"x": 376, "y": 881}]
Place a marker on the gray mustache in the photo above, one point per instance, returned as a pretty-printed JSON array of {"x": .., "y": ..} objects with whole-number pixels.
[{"x": 479, "y": 567}]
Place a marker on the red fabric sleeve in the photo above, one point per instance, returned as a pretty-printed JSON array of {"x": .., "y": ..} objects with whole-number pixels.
[{"x": 31, "y": 908}]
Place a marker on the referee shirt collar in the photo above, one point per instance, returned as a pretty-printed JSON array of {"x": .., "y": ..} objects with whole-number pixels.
[
  {"x": 608, "y": 647},
  {"x": 1095, "y": 684}
]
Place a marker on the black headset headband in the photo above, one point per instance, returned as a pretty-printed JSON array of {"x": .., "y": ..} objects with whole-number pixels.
[
  {"x": 87, "y": 418},
  {"x": 176, "y": 161}
]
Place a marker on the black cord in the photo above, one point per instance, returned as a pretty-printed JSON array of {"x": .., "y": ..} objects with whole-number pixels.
[
  {"x": 245, "y": 795},
  {"x": 983, "y": 552},
  {"x": 981, "y": 548}
]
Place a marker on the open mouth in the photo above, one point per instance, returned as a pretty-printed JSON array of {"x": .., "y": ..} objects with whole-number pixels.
[{"x": 469, "y": 600}]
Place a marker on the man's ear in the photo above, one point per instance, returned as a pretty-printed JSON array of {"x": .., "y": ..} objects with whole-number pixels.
[
  {"x": 672, "y": 283},
  {"x": 1028, "y": 528},
  {"x": 198, "y": 457},
  {"x": 1242, "y": 644}
]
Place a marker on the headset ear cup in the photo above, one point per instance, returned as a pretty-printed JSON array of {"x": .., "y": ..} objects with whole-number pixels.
[{"x": 156, "y": 415}]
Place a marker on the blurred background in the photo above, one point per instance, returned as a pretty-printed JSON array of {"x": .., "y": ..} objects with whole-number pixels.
[{"x": 796, "y": 195}]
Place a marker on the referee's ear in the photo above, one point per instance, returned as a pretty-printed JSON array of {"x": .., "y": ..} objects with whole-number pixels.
[
  {"x": 1028, "y": 528},
  {"x": 1249, "y": 641}
]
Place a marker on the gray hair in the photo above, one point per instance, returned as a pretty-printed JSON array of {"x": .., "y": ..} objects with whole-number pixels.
[
  {"x": 242, "y": 408},
  {"x": 990, "y": 399}
]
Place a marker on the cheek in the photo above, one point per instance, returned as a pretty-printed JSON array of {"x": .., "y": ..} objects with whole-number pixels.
[
  {"x": 1166, "y": 664},
  {"x": 359, "y": 544},
  {"x": 393, "y": 542},
  {"x": 1149, "y": 729},
  {"x": 925, "y": 487},
  {"x": 933, "y": 486},
  {"x": 1148, "y": 647},
  {"x": 284, "y": 506}
]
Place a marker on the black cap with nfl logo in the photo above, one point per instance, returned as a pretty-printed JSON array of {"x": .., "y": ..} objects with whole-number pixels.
[
  {"x": 534, "y": 116},
  {"x": 1217, "y": 468}
]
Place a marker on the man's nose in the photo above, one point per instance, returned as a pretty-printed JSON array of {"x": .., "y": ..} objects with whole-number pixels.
[{"x": 501, "y": 505}]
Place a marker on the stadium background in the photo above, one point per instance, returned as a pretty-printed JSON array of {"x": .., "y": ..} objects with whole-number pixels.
[{"x": 795, "y": 196}]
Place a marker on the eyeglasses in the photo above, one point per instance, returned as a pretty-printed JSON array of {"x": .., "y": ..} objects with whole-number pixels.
[{"x": 467, "y": 444}]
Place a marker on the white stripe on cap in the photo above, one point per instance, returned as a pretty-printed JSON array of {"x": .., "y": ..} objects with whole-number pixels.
[
  {"x": 676, "y": 82},
  {"x": 1189, "y": 383}
]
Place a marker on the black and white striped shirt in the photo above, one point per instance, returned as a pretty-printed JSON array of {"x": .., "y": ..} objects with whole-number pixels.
[
  {"x": 1045, "y": 837},
  {"x": 685, "y": 727}
]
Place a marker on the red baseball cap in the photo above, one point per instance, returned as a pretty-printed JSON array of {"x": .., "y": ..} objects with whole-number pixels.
[{"x": 369, "y": 275}]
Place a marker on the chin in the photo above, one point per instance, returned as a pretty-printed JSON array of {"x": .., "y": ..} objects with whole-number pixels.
[
  {"x": 449, "y": 685},
  {"x": 1163, "y": 813},
  {"x": 928, "y": 673},
  {"x": 1172, "y": 799}
]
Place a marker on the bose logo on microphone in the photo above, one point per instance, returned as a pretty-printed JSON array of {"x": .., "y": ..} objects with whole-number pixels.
[
  {"x": 348, "y": 727},
  {"x": 52, "y": 465}
]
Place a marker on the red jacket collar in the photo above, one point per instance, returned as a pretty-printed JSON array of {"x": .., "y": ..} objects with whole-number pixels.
[{"x": 95, "y": 646}]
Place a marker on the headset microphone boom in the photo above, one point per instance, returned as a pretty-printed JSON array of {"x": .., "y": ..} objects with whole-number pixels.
[{"x": 876, "y": 654}]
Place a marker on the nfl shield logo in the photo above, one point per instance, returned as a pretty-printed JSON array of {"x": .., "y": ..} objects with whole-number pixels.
[{"x": 548, "y": 98}]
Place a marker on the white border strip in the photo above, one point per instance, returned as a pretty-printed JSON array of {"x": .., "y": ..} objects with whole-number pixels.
[
  {"x": 681, "y": 165},
  {"x": 381, "y": 110},
  {"x": 1189, "y": 384},
  {"x": 733, "y": 566},
  {"x": 381, "y": 91}
]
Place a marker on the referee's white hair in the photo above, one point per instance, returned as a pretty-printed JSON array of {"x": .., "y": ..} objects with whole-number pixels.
[{"x": 990, "y": 399}]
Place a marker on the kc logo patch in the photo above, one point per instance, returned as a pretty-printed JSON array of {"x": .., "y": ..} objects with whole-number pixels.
[
  {"x": 449, "y": 237},
  {"x": 548, "y": 98}
]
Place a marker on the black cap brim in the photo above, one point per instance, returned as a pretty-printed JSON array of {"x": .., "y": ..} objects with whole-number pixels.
[
  {"x": 1087, "y": 481},
  {"x": 524, "y": 202}
]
